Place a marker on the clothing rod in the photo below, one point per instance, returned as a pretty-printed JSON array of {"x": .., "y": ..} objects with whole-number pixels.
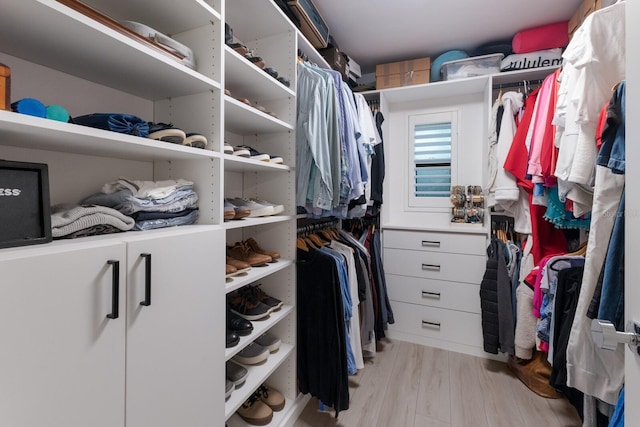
[
  {"x": 313, "y": 225},
  {"x": 520, "y": 83}
]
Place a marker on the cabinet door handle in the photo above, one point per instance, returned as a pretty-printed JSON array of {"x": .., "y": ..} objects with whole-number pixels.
[
  {"x": 431, "y": 243},
  {"x": 434, "y": 295},
  {"x": 433, "y": 267},
  {"x": 115, "y": 288},
  {"x": 147, "y": 280},
  {"x": 435, "y": 325}
]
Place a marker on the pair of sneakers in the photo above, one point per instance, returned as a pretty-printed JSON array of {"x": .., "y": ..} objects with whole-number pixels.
[
  {"x": 251, "y": 153},
  {"x": 256, "y": 207},
  {"x": 168, "y": 133},
  {"x": 259, "y": 408}
]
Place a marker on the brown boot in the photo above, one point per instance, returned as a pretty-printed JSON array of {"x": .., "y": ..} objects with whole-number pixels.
[
  {"x": 242, "y": 252},
  {"x": 255, "y": 247}
]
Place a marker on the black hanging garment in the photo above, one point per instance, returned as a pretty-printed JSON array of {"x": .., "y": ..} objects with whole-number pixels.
[
  {"x": 321, "y": 341},
  {"x": 498, "y": 327}
]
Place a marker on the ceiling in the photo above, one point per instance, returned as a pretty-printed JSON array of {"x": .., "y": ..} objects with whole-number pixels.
[{"x": 379, "y": 31}]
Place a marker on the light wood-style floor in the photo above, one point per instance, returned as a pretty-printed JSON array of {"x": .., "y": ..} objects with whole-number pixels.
[{"x": 409, "y": 385}]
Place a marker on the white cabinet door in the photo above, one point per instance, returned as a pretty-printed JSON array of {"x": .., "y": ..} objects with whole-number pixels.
[
  {"x": 175, "y": 344},
  {"x": 62, "y": 360}
]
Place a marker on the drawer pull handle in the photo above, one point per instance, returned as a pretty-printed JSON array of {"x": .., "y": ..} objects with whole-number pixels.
[
  {"x": 431, "y": 243},
  {"x": 433, "y": 295},
  {"x": 115, "y": 289},
  {"x": 434, "y": 325},
  {"x": 147, "y": 280},
  {"x": 433, "y": 267}
]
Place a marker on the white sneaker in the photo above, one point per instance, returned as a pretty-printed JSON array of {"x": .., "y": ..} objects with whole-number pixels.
[
  {"x": 277, "y": 209},
  {"x": 257, "y": 209},
  {"x": 227, "y": 149}
]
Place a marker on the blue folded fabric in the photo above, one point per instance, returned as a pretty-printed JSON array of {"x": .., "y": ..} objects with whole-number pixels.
[{"x": 122, "y": 123}]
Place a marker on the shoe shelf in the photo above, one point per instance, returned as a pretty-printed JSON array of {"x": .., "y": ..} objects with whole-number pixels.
[
  {"x": 37, "y": 133},
  {"x": 250, "y": 222},
  {"x": 243, "y": 119},
  {"x": 256, "y": 376},
  {"x": 259, "y": 328},
  {"x": 92, "y": 51},
  {"x": 256, "y": 273},
  {"x": 242, "y": 164},
  {"x": 245, "y": 79},
  {"x": 171, "y": 16}
]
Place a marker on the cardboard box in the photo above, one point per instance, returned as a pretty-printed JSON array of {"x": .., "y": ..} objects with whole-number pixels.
[
  {"x": 586, "y": 8},
  {"x": 336, "y": 60},
  {"x": 403, "y": 73},
  {"x": 312, "y": 25}
]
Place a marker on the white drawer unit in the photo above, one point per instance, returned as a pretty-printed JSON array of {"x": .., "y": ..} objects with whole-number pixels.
[
  {"x": 433, "y": 282},
  {"x": 435, "y": 265},
  {"x": 459, "y": 243},
  {"x": 434, "y": 293},
  {"x": 446, "y": 325}
]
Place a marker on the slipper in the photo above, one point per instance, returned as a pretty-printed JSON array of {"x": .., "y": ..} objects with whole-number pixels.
[
  {"x": 166, "y": 132},
  {"x": 271, "y": 71},
  {"x": 227, "y": 148},
  {"x": 256, "y": 60},
  {"x": 240, "y": 48},
  {"x": 285, "y": 81},
  {"x": 245, "y": 101},
  {"x": 227, "y": 92},
  {"x": 195, "y": 140},
  {"x": 260, "y": 108}
]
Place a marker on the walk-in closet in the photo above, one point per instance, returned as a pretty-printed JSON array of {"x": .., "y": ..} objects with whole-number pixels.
[{"x": 404, "y": 214}]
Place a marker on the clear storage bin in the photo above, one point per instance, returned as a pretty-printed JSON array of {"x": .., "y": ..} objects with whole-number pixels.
[{"x": 471, "y": 67}]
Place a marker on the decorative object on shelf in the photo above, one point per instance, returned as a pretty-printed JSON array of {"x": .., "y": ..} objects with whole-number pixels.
[
  {"x": 58, "y": 113},
  {"x": 5, "y": 87},
  {"x": 167, "y": 42},
  {"x": 24, "y": 204},
  {"x": 30, "y": 107},
  {"x": 468, "y": 204}
]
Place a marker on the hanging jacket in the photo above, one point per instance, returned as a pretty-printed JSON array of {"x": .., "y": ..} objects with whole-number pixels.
[{"x": 495, "y": 302}]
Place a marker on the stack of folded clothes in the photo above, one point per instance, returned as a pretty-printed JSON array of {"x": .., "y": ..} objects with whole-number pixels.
[
  {"x": 71, "y": 221},
  {"x": 152, "y": 204}
]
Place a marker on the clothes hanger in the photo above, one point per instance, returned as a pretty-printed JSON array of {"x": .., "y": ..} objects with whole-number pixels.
[{"x": 300, "y": 244}]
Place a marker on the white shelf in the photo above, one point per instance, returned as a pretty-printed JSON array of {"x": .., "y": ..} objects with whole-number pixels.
[
  {"x": 247, "y": 80},
  {"x": 257, "y": 375},
  {"x": 31, "y": 30},
  {"x": 259, "y": 328},
  {"x": 243, "y": 119},
  {"x": 169, "y": 16},
  {"x": 312, "y": 54},
  {"x": 251, "y": 222},
  {"x": 436, "y": 90},
  {"x": 33, "y": 132},
  {"x": 242, "y": 164},
  {"x": 252, "y": 20},
  {"x": 256, "y": 273},
  {"x": 519, "y": 75}
]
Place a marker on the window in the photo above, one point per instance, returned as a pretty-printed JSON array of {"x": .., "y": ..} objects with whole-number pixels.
[{"x": 430, "y": 165}]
